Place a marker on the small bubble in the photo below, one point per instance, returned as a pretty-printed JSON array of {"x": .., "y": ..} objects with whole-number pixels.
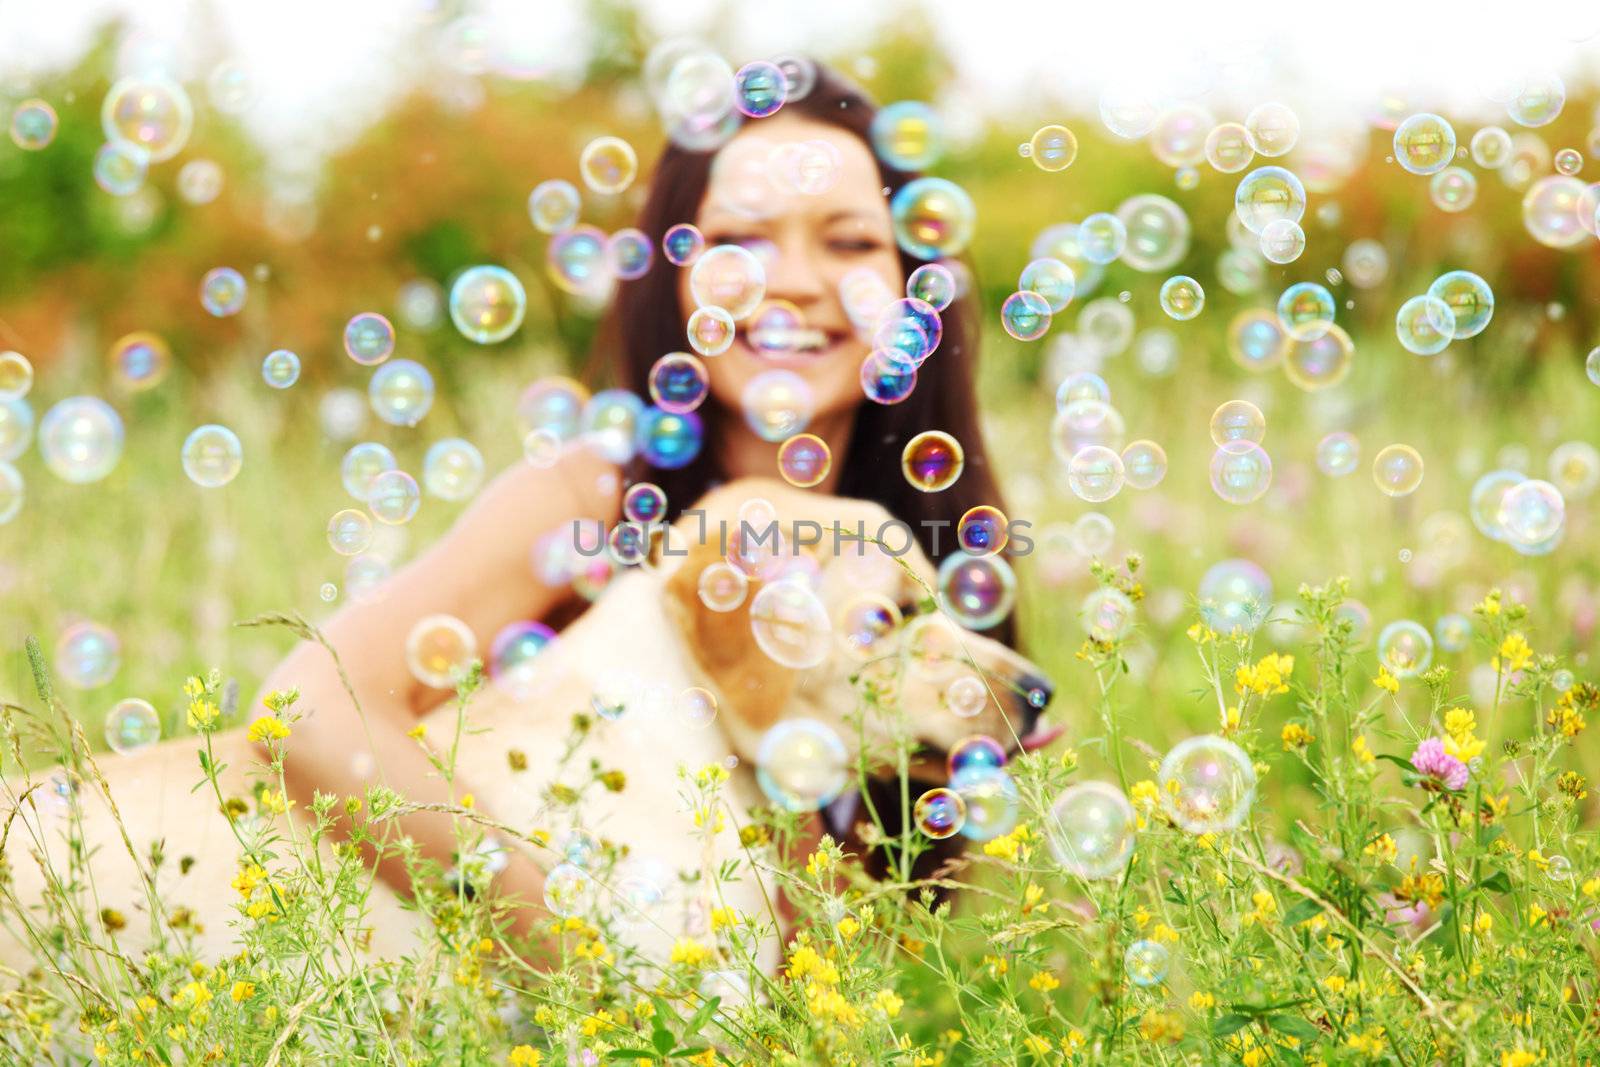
[
  {"x": 328, "y": 592},
  {"x": 1124, "y": 296},
  {"x": 1405, "y": 555},
  {"x": 1025, "y": 150},
  {"x": 1334, "y": 277}
]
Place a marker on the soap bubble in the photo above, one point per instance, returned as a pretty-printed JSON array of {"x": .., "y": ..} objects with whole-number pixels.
[
  {"x": 223, "y": 291},
  {"x": 1237, "y": 420},
  {"x": 1053, "y": 148},
  {"x": 801, "y": 764},
  {"x": 682, "y": 244},
  {"x": 790, "y": 624},
  {"x": 369, "y": 338},
  {"x": 1274, "y": 128},
  {"x": 12, "y": 491},
  {"x": 1146, "y": 962},
  {"x": 1235, "y": 594},
  {"x": 33, "y": 125},
  {"x": 1090, "y": 829},
  {"x": 120, "y": 168},
  {"x": 1095, "y": 473},
  {"x": 1267, "y": 194},
  {"x": 1228, "y": 148},
  {"x": 1181, "y": 297},
  {"x": 350, "y": 532},
  {"x": 608, "y": 165},
  {"x": 212, "y": 456},
  {"x": 393, "y": 497},
  {"x": 130, "y": 725},
  {"x": 1144, "y": 464},
  {"x": 453, "y": 469},
  {"x": 1425, "y": 325},
  {"x": 1425, "y": 144},
  {"x": 1178, "y": 138},
  {"x": 16, "y": 375},
  {"x": 151, "y": 113},
  {"x": 678, "y": 382},
  {"x": 1469, "y": 299},
  {"x": 1158, "y": 233},
  {"x": 907, "y": 135},
  {"x": 1207, "y": 785},
  {"x": 1241, "y": 472},
  {"x": 1128, "y": 110},
  {"x": 1405, "y": 648},
  {"x": 868, "y": 626},
  {"x": 1453, "y": 189},
  {"x": 1488, "y": 492},
  {"x": 1551, "y": 211},
  {"x": 1102, "y": 237},
  {"x": 1338, "y": 454},
  {"x": 1537, "y": 101},
  {"x": 568, "y": 891},
  {"x": 280, "y": 369},
  {"x": 804, "y": 460},
  {"x": 729, "y": 277},
  {"x": 87, "y": 655},
  {"x": 1256, "y": 340},
  {"x": 759, "y": 89},
  {"x": 777, "y": 404},
  {"x": 553, "y": 206},
  {"x": 1025, "y": 316},
  {"x": 1319, "y": 364},
  {"x": 939, "y": 813},
  {"x": 1306, "y": 310},
  {"x": 401, "y": 392},
  {"x": 1049, "y": 278},
  {"x": 935, "y": 285},
  {"x": 1282, "y": 241},
  {"x": 361, "y": 464},
  {"x": 710, "y": 331},
  {"x": 487, "y": 304},
  {"x": 1491, "y": 148},
  {"x": 439, "y": 650},
  {"x": 1532, "y": 512},
  {"x": 978, "y": 592},
  {"x": 933, "y": 218},
  {"x": 1397, "y": 470},
  {"x": 80, "y": 439},
  {"x": 932, "y": 461},
  {"x": 1107, "y": 614}
]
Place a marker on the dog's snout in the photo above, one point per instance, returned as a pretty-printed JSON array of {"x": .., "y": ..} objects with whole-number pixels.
[{"x": 1032, "y": 697}]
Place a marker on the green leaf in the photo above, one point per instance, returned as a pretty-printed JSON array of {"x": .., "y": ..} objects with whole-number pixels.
[
  {"x": 1294, "y": 1026},
  {"x": 631, "y": 1054},
  {"x": 663, "y": 1041},
  {"x": 698, "y": 1022},
  {"x": 686, "y": 1052},
  {"x": 1498, "y": 882},
  {"x": 1227, "y": 1024},
  {"x": 1305, "y": 909},
  {"x": 1403, "y": 764}
]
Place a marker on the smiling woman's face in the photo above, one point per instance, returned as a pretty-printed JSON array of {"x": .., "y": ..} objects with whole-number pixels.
[{"x": 807, "y": 244}]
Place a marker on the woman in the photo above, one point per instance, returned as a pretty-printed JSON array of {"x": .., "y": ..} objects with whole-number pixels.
[{"x": 480, "y": 574}]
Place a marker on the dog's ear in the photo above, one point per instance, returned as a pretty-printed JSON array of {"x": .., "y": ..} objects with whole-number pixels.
[{"x": 752, "y": 687}]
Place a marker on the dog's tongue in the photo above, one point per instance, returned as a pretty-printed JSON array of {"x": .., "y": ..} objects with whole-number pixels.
[{"x": 1043, "y": 733}]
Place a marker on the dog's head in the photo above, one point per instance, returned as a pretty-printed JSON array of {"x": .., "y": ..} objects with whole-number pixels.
[{"x": 842, "y": 615}]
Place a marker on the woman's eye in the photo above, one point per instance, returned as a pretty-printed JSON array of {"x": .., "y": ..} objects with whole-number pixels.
[{"x": 853, "y": 245}]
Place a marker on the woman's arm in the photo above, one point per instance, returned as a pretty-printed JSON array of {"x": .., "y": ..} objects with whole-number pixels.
[{"x": 480, "y": 572}]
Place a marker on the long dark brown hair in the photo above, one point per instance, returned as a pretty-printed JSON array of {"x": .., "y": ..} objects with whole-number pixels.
[{"x": 646, "y": 322}]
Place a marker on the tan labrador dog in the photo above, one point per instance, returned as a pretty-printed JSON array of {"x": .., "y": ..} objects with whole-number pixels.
[{"x": 626, "y": 664}]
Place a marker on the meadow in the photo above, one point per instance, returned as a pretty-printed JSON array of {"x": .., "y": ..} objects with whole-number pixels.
[{"x": 1369, "y": 906}]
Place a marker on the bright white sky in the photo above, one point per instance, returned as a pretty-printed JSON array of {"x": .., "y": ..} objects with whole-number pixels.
[{"x": 324, "y": 67}]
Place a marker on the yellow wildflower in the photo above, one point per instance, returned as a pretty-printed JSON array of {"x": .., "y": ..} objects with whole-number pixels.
[
  {"x": 1460, "y": 741},
  {"x": 1266, "y": 908},
  {"x": 1483, "y": 924},
  {"x": 688, "y": 951},
  {"x": 1515, "y": 654},
  {"x": 1295, "y": 736},
  {"x": 1385, "y": 680},
  {"x": 418, "y": 732},
  {"x": 1591, "y": 888},
  {"x": 1519, "y": 1058},
  {"x": 1359, "y": 749},
  {"x": 820, "y": 861},
  {"x": 1384, "y": 848},
  {"x": 202, "y": 714},
  {"x": 887, "y": 1002},
  {"x": 1536, "y": 915},
  {"x": 1163, "y": 932},
  {"x": 1334, "y": 983},
  {"x": 242, "y": 991},
  {"x": 1201, "y": 634},
  {"x": 267, "y": 728},
  {"x": 524, "y": 1056},
  {"x": 1044, "y": 982},
  {"x": 848, "y": 927},
  {"x": 1268, "y": 677},
  {"x": 1037, "y": 1045},
  {"x": 1202, "y": 1001}
]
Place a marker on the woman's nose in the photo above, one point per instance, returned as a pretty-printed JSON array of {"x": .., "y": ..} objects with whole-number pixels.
[{"x": 794, "y": 274}]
